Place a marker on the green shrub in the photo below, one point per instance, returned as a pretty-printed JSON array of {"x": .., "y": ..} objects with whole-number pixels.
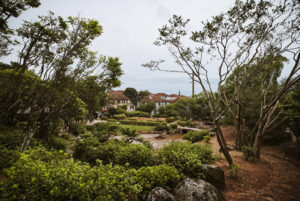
[
  {"x": 120, "y": 110},
  {"x": 77, "y": 128},
  {"x": 173, "y": 126},
  {"x": 120, "y": 153},
  {"x": 7, "y": 157},
  {"x": 135, "y": 155},
  {"x": 188, "y": 123},
  {"x": 186, "y": 157},
  {"x": 207, "y": 138},
  {"x": 124, "y": 107},
  {"x": 132, "y": 119},
  {"x": 11, "y": 138},
  {"x": 138, "y": 114},
  {"x": 163, "y": 176},
  {"x": 162, "y": 127},
  {"x": 120, "y": 116},
  {"x": 139, "y": 123},
  {"x": 249, "y": 153},
  {"x": 195, "y": 136},
  {"x": 170, "y": 119},
  {"x": 112, "y": 120},
  {"x": 54, "y": 176},
  {"x": 104, "y": 117}
]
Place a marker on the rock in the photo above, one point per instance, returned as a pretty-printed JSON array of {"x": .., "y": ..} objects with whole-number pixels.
[
  {"x": 214, "y": 175},
  {"x": 197, "y": 190},
  {"x": 160, "y": 194}
]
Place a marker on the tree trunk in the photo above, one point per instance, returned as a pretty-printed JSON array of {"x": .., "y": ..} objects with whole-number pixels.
[
  {"x": 222, "y": 143},
  {"x": 26, "y": 140}
]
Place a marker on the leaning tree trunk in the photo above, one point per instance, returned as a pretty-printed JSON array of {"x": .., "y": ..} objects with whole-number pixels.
[{"x": 222, "y": 143}]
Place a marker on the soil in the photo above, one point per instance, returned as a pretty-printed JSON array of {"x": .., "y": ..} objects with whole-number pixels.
[{"x": 272, "y": 178}]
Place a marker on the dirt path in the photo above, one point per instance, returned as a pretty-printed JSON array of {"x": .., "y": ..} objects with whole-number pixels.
[{"x": 272, "y": 178}]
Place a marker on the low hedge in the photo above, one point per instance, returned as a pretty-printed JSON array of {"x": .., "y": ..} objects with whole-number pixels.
[
  {"x": 195, "y": 136},
  {"x": 139, "y": 123},
  {"x": 137, "y": 114},
  {"x": 170, "y": 119},
  {"x": 120, "y": 116}
]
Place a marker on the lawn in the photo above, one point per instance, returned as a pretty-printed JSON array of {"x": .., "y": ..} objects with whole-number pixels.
[{"x": 137, "y": 128}]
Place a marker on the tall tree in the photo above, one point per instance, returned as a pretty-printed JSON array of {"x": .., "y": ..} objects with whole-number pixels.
[
  {"x": 132, "y": 94},
  {"x": 57, "y": 50},
  {"x": 244, "y": 35},
  {"x": 247, "y": 105}
]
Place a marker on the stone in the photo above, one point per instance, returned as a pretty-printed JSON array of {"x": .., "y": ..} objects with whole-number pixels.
[
  {"x": 214, "y": 175},
  {"x": 197, "y": 190},
  {"x": 160, "y": 194}
]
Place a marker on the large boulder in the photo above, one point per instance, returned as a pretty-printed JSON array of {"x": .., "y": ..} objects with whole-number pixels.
[
  {"x": 160, "y": 194},
  {"x": 214, "y": 175},
  {"x": 197, "y": 190}
]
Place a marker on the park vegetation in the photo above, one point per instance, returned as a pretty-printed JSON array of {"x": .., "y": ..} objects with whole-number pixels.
[{"x": 56, "y": 83}]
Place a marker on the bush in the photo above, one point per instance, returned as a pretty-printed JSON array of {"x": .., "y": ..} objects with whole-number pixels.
[
  {"x": 54, "y": 176},
  {"x": 77, "y": 128},
  {"x": 104, "y": 117},
  {"x": 170, "y": 119},
  {"x": 173, "y": 126},
  {"x": 103, "y": 131},
  {"x": 132, "y": 119},
  {"x": 163, "y": 176},
  {"x": 138, "y": 114},
  {"x": 112, "y": 120},
  {"x": 124, "y": 107},
  {"x": 120, "y": 116},
  {"x": 135, "y": 155},
  {"x": 120, "y": 153},
  {"x": 10, "y": 138},
  {"x": 139, "y": 123},
  {"x": 195, "y": 136},
  {"x": 162, "y": 127},
  {"x": 188, "y": 123},
  {"x": 7, "y": 157},
  {"x": 248, "y": 153},
  {"x": 186, "y": 157}
]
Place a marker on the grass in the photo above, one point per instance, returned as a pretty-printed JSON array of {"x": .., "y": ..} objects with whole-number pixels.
[{"x": 137, "y": 128}]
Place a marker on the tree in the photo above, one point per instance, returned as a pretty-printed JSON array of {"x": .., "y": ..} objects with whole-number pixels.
[
  {"x": 57, "y": 50},
  {"x": 132, "y": 94},
  {"x": 291, "y": 108},
  {"x": 146, "y": 107},
  {"x": 244, "y": 35},
  {"x": 142, "y": 94},
  {"x": 246, "y": 107},
  {"x": 8, "y": 9}
]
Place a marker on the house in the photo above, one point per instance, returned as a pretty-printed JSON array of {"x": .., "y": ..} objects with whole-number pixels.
[
  {"x": 161, "y": 99},
  {"x": 117, "y": 98}
]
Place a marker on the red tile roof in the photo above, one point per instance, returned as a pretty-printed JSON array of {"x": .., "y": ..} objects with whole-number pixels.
[
  {"x": 153, "y": 98},
  {"x": 117, "y": 95}
]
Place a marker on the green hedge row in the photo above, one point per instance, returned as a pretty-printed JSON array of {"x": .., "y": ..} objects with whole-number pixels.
[{"x": 139, "y": 123}]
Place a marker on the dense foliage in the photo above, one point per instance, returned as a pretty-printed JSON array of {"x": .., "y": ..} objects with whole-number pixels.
[
  {"x": 195, "y": 136},
  {"x": 40, "y": 174},
  {"x": 186, "y": 157}
]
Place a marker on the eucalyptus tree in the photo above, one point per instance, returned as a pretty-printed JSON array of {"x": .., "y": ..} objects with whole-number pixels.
[{"x": 244, "y": 35}]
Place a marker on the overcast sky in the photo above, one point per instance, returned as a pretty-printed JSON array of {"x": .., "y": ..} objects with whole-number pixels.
[{"x": 129, "y": 29}]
